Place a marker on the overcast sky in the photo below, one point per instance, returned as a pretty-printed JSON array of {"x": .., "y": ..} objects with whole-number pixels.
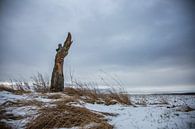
[{"x": 139, "y": 42}]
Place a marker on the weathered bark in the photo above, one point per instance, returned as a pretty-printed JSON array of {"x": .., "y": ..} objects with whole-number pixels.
[{"x": 57, "y": 79}]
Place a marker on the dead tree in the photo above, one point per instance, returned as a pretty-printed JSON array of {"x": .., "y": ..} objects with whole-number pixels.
[{"x": 57, "y": 79}]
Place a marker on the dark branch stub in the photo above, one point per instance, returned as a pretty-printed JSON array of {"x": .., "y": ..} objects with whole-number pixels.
[{"x": 57, "y": 79}]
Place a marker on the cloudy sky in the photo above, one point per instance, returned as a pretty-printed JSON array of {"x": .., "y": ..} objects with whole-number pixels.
[{"x": 140, "y": 43}]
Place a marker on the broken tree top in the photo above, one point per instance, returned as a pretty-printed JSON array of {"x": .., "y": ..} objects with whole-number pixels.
[{"x": 68, "y": 41}]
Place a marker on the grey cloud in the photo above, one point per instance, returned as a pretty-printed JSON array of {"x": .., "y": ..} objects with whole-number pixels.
[{"x": 121, "y": 37}]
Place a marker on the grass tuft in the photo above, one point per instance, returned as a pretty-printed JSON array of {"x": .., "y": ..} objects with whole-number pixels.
[
  {"x": 67, "y": 116},
  {"x": 94, "y": 95},
  {"x": 41, "y": 84}
]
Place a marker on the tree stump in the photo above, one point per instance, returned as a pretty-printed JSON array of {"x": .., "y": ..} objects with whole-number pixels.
[{"x": 57, "y": 79}]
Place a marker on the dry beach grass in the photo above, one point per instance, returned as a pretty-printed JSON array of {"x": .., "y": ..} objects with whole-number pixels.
[{"x": 67, "y": 116}]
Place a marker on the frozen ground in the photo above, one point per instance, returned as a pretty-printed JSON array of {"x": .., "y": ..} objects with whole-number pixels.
[
  {"x": 152, "y": 112},
  {"x": 148, "y": 112}
]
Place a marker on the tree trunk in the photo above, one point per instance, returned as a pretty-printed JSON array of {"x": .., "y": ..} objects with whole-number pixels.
[{"x": 57, "y": 79}]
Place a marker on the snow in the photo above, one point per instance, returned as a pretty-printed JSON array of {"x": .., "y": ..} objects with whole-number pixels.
[
  {"x": 23, "y": 111},
  {"x": 150, "y": 116},
  {"x": 5, "y": 96},
  {"x": 26, "y": 112},
  {"x": 148, "y": 112}
]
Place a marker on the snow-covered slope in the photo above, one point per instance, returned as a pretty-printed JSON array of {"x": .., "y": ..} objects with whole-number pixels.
[
  {"x": 152, "y": 114},
  {"x": 148, "y": 111}
]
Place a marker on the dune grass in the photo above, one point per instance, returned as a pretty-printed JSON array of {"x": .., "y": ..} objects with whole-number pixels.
[
  {"x": 40, "y": 83},
  {"x": 67, "y": 116},
  {"x": 94, "y": 95}
]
